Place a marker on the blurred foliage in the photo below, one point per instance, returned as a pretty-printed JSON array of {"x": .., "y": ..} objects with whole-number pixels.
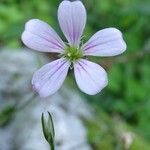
[
  {"x": 128, "y": 93},
  {"x": 112, "y": 133},
  {"x": 6, "y": 115}
]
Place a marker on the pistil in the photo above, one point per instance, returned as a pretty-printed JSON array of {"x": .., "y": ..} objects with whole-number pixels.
[{"x": 73, "y": 54}]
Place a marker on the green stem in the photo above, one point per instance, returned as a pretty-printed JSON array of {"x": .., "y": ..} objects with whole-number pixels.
[
  {"x": 27, "y": 102},
  {"x": 51, "y": 145}
]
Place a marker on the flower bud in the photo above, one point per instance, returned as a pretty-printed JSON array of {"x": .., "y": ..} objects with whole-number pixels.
[{"x": 48, "y": 129}]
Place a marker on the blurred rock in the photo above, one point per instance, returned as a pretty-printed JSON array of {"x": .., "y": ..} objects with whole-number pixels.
[{"x": 25, "y": 131}]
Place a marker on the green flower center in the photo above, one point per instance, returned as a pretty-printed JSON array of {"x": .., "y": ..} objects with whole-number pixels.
[{"x": 73, "y": 54}]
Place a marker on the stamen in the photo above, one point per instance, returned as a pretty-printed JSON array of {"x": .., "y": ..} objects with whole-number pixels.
[{"x": 73, "y": 54}]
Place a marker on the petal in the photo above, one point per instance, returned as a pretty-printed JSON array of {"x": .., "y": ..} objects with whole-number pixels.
[
  {"x": 47, "y": 80},
  {"x": 106, "y": 42},
  {"x": 39, "y": 36},
  {"x": 90, "y": 77},
  {"x": 72, "y": 20}
]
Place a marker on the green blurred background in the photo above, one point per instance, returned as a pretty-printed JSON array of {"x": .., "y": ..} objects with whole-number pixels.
[{"x": 125, "y": 103}]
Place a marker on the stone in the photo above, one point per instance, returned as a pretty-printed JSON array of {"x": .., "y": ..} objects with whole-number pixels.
[{"x": 24, "y": 132}]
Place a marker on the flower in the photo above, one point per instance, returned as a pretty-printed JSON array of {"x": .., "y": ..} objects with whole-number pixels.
[{"x": 90, "y": 77}]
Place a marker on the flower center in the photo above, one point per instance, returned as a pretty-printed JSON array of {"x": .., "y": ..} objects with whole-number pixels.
[{"x": 73, "y": 54}]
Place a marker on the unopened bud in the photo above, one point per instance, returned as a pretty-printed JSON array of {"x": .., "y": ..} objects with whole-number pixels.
[{"x": 48, "y": 129}]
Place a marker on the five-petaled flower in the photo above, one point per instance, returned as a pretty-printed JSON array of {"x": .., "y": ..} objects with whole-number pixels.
[{"x": 90, "y": 77}]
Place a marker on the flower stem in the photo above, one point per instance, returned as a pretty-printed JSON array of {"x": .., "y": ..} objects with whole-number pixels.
[{"x": 52, "y": 147}]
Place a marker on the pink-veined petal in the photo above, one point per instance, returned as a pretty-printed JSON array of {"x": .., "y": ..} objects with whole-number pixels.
[
  {"x": 106, "y": 42},
  {"x": 39, "y": 36},
  {"x": 72, "y": 20},
  {"x": 90, "y": 77},
  {"x": 47, "y": 80}
]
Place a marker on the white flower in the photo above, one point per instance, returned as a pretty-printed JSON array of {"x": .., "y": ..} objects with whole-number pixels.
[{"x": 90, "y": 77}]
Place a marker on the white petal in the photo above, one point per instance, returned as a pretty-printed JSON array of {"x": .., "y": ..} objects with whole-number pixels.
[
  {"x": 50, "y": 77},
  {"x": 90, "y": 77},
  {"x": 39, "y": 36},
  {"x": 72, "y": 20},
  {"x": 106, "y": 42}
]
